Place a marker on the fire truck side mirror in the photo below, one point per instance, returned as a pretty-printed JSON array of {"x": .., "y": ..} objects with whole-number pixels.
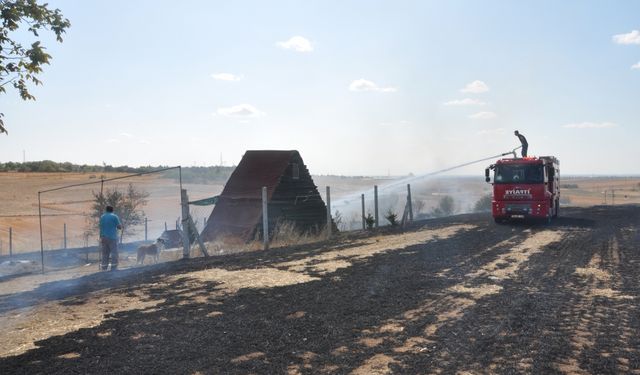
[{"x": 486, "y": 175}]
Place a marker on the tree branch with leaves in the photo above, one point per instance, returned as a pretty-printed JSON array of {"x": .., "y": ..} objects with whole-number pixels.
[
  {"x": 20, "y": 64},
  {"x": 128, "y": 205}
]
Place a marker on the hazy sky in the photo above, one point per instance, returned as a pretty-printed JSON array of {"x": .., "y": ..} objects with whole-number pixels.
[{"x": 358, "y": 87}]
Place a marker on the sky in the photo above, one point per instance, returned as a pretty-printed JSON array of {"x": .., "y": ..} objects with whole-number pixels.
[{"x": 358, "y": 87}]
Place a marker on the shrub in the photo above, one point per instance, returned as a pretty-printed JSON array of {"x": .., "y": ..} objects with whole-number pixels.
[
  {"x": 392, "y": 218},
  {"x": 370, "y": 221}
]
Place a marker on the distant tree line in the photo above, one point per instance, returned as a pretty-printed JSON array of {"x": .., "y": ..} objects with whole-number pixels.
[
  {"x": 189, "y": 174},
  {"x": 52, "y": 166},
  {"x": 197, "y": 175}
]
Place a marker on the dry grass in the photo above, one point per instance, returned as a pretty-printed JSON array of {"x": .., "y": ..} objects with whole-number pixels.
[
  {"x": 19, "y": 203},
  {"x": 285, "y": 234},
  {"x": 19, "y": 192}
]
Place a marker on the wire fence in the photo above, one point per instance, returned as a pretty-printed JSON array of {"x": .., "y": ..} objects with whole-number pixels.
[
  {"x": 148, "y": 203},
  {"x": 67, "y": 223}
]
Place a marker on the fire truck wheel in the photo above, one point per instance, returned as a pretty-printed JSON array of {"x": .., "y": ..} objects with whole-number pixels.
[
  {"x": 499, "y": 220},
  {"x": 557, "y": 210}
]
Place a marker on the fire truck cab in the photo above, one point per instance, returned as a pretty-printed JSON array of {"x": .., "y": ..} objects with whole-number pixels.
[{"x": 525, "y": 188}]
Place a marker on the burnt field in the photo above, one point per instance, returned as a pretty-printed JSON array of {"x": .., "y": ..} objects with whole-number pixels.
[{"x": 454, "y": 295}]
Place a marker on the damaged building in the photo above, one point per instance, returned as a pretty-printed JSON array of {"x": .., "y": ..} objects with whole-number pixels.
[{"x": 292, "y": 197}]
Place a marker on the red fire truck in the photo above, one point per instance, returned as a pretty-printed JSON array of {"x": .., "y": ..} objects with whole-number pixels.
[{"x": 526, "y": 187}]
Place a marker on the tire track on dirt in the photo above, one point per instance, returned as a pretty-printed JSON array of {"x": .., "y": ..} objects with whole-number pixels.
[
  {"x": 603, "y": 300},
  {"x": 486, "y": 280}
]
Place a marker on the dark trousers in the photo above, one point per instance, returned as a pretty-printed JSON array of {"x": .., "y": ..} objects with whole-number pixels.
[
  {"x": 109, "y": 248},
  {"x": 524, "y": 150}
]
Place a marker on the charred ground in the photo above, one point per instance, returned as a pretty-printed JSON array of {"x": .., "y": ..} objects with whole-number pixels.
[{"x": 449, "y": 295}]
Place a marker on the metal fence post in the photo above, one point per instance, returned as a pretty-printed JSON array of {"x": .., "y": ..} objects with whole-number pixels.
[
  {"x": 613, "y": 197},
  {"x": 364, "y": 219},
  {"x": 146, "y": 229},
  {"x": 10, "y": 242},
  {"x": 65, "y": 236},
  {"x": 375, "y": 203},
  {"x": 265, "y": 219},
  {"x": 409, "y": 202},
  {"x": 41, "y": 240},
  {"x": 329, "y": 221}
]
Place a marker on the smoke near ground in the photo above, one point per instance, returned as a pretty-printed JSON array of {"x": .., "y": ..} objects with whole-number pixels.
[{"x": 427, "y": 194}]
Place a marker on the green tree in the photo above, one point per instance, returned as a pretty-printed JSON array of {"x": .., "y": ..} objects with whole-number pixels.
[
  {"x": 126, "y": 204},
  {"x": 370, "y": 221},
  {"x": 392, "y": 218},
  {"x": 20, "y": 64}
]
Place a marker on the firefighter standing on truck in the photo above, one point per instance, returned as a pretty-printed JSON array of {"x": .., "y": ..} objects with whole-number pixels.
[{"x": 525, "y": 144}]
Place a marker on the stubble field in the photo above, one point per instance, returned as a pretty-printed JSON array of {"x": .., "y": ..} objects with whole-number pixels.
[{"x": 454, "y": 295}]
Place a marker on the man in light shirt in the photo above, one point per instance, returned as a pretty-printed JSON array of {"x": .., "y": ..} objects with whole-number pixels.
[{"x": 109, "y": 225}]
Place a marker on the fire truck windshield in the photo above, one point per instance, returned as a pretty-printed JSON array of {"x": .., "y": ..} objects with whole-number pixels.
[{"x": 519, "y": 174}]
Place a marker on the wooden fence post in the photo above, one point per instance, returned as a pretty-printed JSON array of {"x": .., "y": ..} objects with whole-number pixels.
[
  {"x": 185, "y": 224},
  {"x": 265, "y": 219},
  {"x": 203, "y": 248}
]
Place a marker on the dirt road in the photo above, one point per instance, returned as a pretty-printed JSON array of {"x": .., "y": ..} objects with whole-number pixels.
[{"x": 457, "y": 295}]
